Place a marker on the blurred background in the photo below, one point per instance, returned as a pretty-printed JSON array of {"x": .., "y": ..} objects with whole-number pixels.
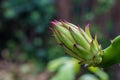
[{"x": 27, "y": 50}]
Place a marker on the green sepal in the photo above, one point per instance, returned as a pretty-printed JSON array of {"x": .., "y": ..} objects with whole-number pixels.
[
  {"x": 82, "y": 52},
  {"x": 79, "y": 38}
]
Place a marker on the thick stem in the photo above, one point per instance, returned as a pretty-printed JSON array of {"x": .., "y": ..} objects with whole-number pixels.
[{"x": 111, "y": 54}]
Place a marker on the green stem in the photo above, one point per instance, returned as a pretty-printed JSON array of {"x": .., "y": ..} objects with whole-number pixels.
[{"x": 111, "y": 54}]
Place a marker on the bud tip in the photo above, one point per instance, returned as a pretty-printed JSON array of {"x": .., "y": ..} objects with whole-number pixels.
[
  {"x": 87, "y": 26},
  {"x": 51, "y": 29},
  {"x": 53, "y": 23}
]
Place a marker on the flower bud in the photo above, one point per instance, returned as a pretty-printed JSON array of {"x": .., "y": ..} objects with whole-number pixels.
[{"x": 77, "y": 42}]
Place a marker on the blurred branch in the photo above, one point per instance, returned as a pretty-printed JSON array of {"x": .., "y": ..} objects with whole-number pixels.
[
  {"x": 64, "y": 9},
  {"x": 116, "y": 16}
]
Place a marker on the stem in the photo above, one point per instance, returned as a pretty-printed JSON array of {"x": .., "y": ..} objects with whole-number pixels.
[{"x": 111, "y": 54}]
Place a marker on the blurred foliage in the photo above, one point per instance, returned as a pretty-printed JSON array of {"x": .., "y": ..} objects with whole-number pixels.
[
  {"x": 88, "y": 77},
  {"x": 90, "y": 10},
  {"x": 24, "y": 30},
  {"x": 67, "y": 68},
  {"x": 25, "y": 71}
]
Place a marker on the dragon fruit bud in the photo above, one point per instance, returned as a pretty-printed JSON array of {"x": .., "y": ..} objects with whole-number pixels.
[{"x": 77, "y": 42}]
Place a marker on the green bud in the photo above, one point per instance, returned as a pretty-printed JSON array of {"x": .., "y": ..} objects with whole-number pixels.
[{"x": 77, "y": 42}]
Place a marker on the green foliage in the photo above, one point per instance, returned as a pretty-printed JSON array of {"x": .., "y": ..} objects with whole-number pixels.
[
  {"x": 67, "y": 68},
  {"x": 65, "y": 72},
  {"x": 88, "y": 77},
  {"x": 99, "y": 73}
]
